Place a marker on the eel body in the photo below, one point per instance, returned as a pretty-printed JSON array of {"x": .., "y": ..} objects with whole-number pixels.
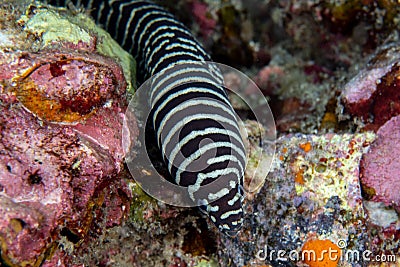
[{"x": 195, "y": 125}]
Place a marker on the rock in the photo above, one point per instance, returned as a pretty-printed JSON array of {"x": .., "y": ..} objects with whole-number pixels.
[
  {"x": 312, "y": 192},
  {"x": 373, "y": 93},
  {"x": 62, "y": 104},
  {"x": 380, "y": 167},
  {"x": 379, "y": 214}
]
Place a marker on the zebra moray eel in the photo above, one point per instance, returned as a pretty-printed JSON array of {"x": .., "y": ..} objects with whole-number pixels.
[{"x": 196, "y": 127}]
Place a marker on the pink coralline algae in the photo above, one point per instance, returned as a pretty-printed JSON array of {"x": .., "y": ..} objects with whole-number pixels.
[
  {"x": 203, "y": 18},
  {"x": 380, "y": 167},
  {"x": 373, "y": 93},
  {"x": 62, "y": 86},
  {"x": 50, "y": 179},
  {"x": 61, "y": 117}
]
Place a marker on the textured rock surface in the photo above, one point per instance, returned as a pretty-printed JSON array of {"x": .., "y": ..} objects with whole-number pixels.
[
  {"x": 381, "y": 166},
  {"x": 51, "y": 179},
  {"x": 312, "y": 192},
  {"x": 61, "y": 113},
  {"x": 373, "y": 93}
]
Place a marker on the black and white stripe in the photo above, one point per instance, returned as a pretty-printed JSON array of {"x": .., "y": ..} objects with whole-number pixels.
[{"x": 196, "y": 127}]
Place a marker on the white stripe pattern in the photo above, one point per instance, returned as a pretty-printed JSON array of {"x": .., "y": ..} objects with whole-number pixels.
[
  {"x": 191, "y": 104},
  {"x": 189, "y": 119},
  {"x": 162, "y": 45},
  {"x": 194, "y": 134},
  {"x": 183, "y": 79},
  {"x": 200, "y": 151}
]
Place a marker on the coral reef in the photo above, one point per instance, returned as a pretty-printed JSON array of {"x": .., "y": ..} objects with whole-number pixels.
[
  {"x": 62, "y": 108},
  {"x": 330, "y": 72}
]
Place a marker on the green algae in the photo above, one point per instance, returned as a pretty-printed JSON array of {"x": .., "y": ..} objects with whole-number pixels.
[
  {"x": 207, "y": 263},
  {"x": 52, "y": 27},
  {"x": 141, "y": 204}
]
